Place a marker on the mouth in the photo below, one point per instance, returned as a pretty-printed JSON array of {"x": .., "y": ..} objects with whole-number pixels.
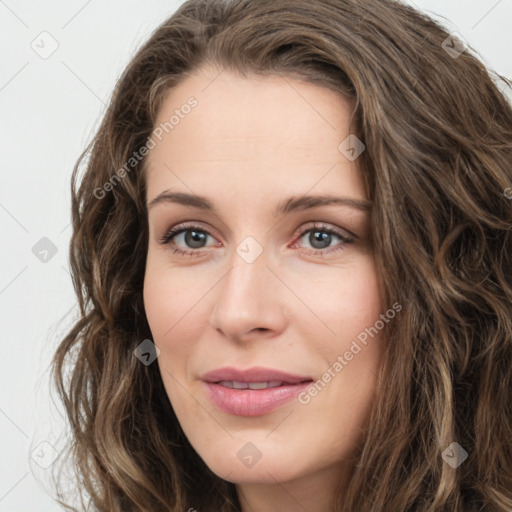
[
  {"x": 252, "y": 392},
  {"x": 233, "y": 384}
]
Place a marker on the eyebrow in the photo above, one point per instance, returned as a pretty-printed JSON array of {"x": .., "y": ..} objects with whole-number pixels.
[{"x": 291, "y": 204}]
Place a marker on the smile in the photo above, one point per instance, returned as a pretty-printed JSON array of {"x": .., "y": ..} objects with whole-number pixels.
[{"x": 252, "y": 392}]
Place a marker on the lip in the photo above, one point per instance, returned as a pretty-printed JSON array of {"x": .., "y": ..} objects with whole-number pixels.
[
  {"x": 255, "y": 374},
  {"x": 253, "y": 402}
]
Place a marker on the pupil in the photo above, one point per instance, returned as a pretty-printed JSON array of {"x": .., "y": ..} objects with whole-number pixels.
[{"x": 320, "y": 237}]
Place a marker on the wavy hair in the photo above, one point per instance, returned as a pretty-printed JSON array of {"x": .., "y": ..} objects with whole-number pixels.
[{"x": 438, "y": 170}]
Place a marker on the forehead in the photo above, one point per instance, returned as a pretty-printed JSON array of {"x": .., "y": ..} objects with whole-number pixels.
[{"x": 253, "y": 130}]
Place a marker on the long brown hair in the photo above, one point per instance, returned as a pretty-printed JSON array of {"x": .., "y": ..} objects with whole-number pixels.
[{"x": 438, "y": 170}]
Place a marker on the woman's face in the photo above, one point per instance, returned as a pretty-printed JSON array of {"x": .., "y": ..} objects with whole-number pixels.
[{"x": 274, "y": 288}]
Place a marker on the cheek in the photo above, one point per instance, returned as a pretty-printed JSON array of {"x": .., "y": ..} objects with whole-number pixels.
[
  {"x": 360, "y": 304},
  {"x": 166, "y": 304},
  {"x": 160, "y": 299},
  {"x": 348, "y": 302},
  {"x": 172, "y": 299},
  {"x": 346, "y": 299},
  {"x": 177, "y": 305},
  {"x": 172, "y": 306}
]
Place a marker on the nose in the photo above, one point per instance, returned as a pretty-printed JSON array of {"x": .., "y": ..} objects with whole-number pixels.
[{"x": 250, "y": 301}]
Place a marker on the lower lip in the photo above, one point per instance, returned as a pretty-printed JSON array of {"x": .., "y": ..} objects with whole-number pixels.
[{"x": 253, "y": 402}]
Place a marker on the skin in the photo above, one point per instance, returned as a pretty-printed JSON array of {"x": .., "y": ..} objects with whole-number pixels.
[{"x": 249, "y": 145}]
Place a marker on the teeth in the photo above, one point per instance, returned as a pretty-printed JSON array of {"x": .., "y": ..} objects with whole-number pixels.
[
  {"x": 264, "y": 385},
  {"x": 250, "y": 385},
  {"x": 234, "y": 384}
]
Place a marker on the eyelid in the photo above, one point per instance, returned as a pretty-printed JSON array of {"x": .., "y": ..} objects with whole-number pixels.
[{"x": 320, "y": 225}]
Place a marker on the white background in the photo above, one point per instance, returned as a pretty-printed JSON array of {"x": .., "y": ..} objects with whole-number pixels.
[{"x": 49, "y": 110}]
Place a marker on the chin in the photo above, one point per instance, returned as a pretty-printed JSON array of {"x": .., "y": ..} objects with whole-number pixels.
[
  {"x": 248, "y": 464},
  {"x": 262, "y": 473}
]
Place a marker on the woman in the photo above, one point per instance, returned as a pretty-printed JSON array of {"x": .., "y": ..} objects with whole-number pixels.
[{"x": 292, "y": 253}]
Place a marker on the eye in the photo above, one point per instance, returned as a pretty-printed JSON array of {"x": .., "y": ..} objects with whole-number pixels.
[
  {"x": 320, "y": 238},
  {"x": 194, "y": 238}
]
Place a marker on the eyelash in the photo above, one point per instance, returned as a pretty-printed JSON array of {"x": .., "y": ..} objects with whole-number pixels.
[{"x": 181, "y": 228}]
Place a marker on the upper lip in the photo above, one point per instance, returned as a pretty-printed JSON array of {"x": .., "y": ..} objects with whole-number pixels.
[{"x": 255, "y": 374}]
